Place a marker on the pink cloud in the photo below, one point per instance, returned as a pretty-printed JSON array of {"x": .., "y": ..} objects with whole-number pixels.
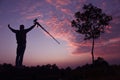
[
  {"x": 28, "y": 9},
  {"x": 57, "y": 28},
  {"x": 109, "y": 49},
  {"x": 66, "y": 11},
  {"x": 33, "y": 15},
  {"x": 110, "y": 41},
  {"x": 116, "y": 19},
  {"x": 59, "y": 2},
  {"x": 108, "y": 29},
  {"x": 63, "y": 2}
]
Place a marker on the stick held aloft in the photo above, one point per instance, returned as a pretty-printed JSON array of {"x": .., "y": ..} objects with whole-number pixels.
[{"x": 38, "y": 24}]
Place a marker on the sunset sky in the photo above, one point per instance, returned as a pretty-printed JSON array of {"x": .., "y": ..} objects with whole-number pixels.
[{"x": 55, "y": 16}]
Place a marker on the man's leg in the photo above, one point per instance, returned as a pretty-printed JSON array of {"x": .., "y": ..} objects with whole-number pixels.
[
  {"x": 17, "y": 55},
  {"x": 23, "y": 47}
]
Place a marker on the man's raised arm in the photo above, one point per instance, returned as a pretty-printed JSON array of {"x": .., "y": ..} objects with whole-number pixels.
[
  {"x": 29, "y": 29},
  {"x": 13, "y": 30}
]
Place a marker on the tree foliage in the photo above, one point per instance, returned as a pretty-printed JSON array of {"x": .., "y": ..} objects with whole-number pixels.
[{"x": 91, "y": 22}]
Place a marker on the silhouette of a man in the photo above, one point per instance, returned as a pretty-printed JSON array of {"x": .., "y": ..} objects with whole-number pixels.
[{"x": 21, "y": 42}]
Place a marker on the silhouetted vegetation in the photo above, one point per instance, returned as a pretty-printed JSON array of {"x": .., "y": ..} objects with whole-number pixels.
[
  {"x": 91, "y": 23},
  {"x": 101, "y": 70}
]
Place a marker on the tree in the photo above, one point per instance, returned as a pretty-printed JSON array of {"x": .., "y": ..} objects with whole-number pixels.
[{"x": 91, "y": 23}]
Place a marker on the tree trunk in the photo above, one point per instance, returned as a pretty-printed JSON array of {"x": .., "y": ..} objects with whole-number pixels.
[{"x": 92, "y": 52}]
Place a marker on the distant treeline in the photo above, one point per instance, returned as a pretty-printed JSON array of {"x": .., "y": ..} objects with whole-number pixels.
[{"x": 100, "y": 70}]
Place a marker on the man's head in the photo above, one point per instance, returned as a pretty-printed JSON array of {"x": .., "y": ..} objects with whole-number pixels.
[{"x": 22, "y": 27}]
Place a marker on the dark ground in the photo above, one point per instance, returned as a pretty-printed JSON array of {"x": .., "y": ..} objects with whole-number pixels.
[{"x": 100, "y": 70}]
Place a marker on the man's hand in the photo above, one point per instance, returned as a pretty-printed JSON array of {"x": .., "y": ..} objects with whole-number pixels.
[
  {"x": 35, "y": 22},
  {"x": 8, "y": 25}
]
